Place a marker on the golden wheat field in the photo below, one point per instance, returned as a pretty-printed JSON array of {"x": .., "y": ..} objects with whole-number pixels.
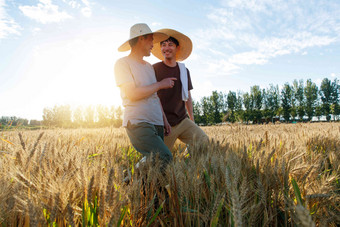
[{"x": 248, "y": 175}]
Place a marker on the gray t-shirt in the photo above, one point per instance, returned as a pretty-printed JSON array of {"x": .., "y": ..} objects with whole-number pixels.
[{"x": 144, "y": 110}]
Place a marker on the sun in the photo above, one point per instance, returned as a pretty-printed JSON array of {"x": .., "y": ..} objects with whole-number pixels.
[{"x": 72, "y": 72}]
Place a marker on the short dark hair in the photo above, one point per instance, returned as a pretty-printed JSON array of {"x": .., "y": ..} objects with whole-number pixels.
[
  {"x": 171, "y": 39},
  {"x": 134, "y": 41}
]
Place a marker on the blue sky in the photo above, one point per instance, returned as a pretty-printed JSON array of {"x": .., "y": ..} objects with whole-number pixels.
[{"x": 63, "y": 52}]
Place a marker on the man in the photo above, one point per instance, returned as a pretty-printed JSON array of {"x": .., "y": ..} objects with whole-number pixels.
[
  {"x": 177, "y": 102},
  {"x": 144, "y": 118}
]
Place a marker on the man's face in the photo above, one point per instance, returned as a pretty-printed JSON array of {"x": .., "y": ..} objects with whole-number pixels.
[
  {"x": 169, "y": 50},
  {"x": 147, "y": 44}
]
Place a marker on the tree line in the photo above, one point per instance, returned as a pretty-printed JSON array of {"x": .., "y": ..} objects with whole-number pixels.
[
  {"x": 89, "y": 116},
  {"x": 298, "y": 101},
  {"x": 66, "y": 117},
  {"x": 15, "y": 121}
]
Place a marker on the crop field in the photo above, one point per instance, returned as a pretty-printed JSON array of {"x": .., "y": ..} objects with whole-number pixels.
[{"x": 248, "y": 175}]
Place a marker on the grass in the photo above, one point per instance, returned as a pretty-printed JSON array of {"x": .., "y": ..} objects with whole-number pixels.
[{"x": 255, "y": 175}]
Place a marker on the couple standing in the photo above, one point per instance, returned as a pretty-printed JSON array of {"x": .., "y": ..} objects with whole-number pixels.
[{"x": 157, "y": 98}]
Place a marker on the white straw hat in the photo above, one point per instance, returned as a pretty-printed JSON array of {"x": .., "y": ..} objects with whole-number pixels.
[
  {"x": 184, "y": 41},
  {"x": 139, "y": 30}
]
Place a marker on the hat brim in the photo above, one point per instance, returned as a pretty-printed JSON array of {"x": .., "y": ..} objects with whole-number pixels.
[
  {"x": 185, "y": 45},
  {"x": 157, "y": 38}
]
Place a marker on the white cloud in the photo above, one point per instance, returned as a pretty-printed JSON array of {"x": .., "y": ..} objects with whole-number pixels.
[
  {"x": 272, "y": 47},
  {"x": 219, "y": 16},
  {"x": 211, "y": 68},
  {"x": 252, "y": 5},
  {"x": 86, "y": 11},
  {"x": 72, "y": 3},
  {"x": 251, "y": 32},
  {"x": 86, "y": 2},
  {"x": 226, "y": 18},
  {"x": 36, "y": 31},
  {"x": 249, "y": 58},
  {"x": 8, "y": 26},
  {"x": 45, "y": 12},
  {"x": 83, "y": 5},
  {"x": 220, "y": 67}
]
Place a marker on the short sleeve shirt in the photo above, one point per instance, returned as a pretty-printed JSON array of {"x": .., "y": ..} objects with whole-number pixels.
[
  {"x": 171, "y": 99},
  {"x": 142, "y": 74}
]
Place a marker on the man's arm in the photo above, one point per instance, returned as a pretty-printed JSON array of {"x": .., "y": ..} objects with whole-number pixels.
[
  {"x": 188, "y": 105},
  {"x": 167, "y": 126},
  {"x": 136, "y": 93}
]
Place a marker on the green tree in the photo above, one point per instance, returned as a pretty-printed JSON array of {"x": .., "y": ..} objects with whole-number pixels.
[
  {"x": 318, "y": 111},
  {"x": 232, "y": 104},
  {"x": 35, "y": 123},
  {"x": 207, "y": 108},
  {"x": 89, "y": 116},
  {"x": 78, "y": 116},
  {"x": 311, "y": 95},
  {"x": 326, "y": 91},
  {"x": 300, "y": 98},
  {"x": 257, "y": 97},
  {"x": 118, "y": 117},
  {"x": 48, "y": 117},
  {"x": 271, "y": 101},
  {"x": 266, "y": 98},
  {"x": 103, "y": 115},
  {"x": 13, "y": 121},
  {"x": 335, "y": 106},
  {"x": 59, "y": 116},
  {"x": 275, "y": 93},
  {"x": 217, "y": 104},
  {"x": 293, "y": 109},
  {"x": 248, "y": 106},
  {"x": 286, "y": 101},
  {"x": 66, "y": 115},
  {"x": 197, "y": 112},
  {"x": 238, "y": 108}
]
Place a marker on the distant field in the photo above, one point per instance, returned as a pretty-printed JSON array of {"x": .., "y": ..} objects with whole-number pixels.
[{"x": 255, "y": 175}]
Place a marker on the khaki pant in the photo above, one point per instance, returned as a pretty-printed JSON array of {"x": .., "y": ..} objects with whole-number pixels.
[{"x": 186, "y": 131}]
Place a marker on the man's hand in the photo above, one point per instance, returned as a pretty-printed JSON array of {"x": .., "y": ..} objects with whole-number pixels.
[
  {"x": 167, "y": 128},
  {"x": 167, "y": 83},
  {"x": 136, "y": 93},
  {"x": 190, "y": 109}
]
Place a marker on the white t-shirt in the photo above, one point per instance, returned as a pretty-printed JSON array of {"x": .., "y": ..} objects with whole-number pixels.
[{"x": 144, "y": 110}]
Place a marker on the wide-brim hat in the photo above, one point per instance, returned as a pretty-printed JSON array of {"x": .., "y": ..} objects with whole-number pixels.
[
  {"x": 139, "y": 30},
  {"x": 184, "y": 41}
]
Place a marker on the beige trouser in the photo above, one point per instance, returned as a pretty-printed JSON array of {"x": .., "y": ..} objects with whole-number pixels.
[{"x": 186, "y": 131}]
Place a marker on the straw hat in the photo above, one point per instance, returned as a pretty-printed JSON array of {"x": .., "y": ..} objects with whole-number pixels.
[
  {"x": 139, "y": 30},
  {"x": 184, "y": 43}
]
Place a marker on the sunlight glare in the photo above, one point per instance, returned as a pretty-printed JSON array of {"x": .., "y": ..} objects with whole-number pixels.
[{"x": 74, "y": 72}]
